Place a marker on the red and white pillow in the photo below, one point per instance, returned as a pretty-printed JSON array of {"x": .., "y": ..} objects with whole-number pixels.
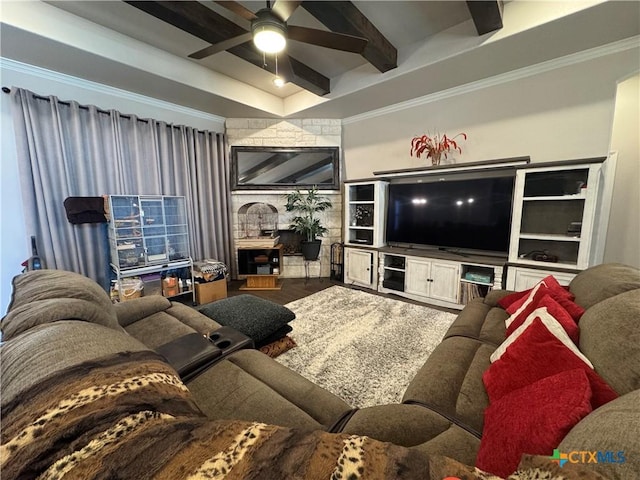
[
  {"x": 542, "y": 299},
  {"x": 536, "y": 372},
  {"x": 515, "y": 300},
  {"x": 564, "y": 329},
  {"x": 535, "y": 354}
]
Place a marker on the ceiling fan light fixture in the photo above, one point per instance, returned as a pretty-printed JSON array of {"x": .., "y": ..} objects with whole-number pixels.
[
  {"x": 269, "y": 39},
  {"x": 278, "y": 81},
  {"x": 269, "y": 33}
]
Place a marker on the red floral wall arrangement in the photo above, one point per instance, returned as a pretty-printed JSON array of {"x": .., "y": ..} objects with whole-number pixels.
[{"x": 435, "y": 146}]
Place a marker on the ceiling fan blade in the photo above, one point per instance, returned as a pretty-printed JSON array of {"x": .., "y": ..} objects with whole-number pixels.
[
  {"x": 238, "y": 9},
  {"x": 336, "y": 41},
  {"x": 222, "y": 46},
  {"x": 284, "y": 8}
]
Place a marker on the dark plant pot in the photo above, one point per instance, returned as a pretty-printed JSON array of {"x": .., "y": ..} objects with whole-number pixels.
[{"x": 310, "y": 250}]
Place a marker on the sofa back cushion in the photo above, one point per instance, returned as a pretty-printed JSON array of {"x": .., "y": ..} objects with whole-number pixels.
[
  {"x": 610, "y": 339},
  {"x": 604, "y": 281},
  {"x": 45, "y": 350},
  {"x": 44, "y": 296}
]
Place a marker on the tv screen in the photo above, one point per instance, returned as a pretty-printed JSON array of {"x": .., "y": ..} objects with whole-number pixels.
[{"x": 470, "y": 214}]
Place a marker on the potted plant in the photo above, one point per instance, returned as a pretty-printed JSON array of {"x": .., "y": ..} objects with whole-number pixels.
[
  {"x": 435, "y": 146},
  {"x": 306, "y": 206}
]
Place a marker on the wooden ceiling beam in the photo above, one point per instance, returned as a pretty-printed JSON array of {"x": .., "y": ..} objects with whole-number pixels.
[
  {"x": 344, "y": 17},
  {"x": 487, "y": 15},
  {"x": 202, "y": 22}
]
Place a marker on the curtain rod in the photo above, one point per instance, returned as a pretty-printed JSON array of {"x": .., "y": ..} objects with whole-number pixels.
[{"x": 83, "y": 107}]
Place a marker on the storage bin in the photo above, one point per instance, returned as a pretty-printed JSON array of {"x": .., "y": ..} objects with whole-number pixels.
[
  {"x": 152, "y": 284},
  {"x": 130, "y": 288},
  {"x": 263, "y": 269},
  {"x": 170, "y": 287},
  {"x": 208, "y": 292}
]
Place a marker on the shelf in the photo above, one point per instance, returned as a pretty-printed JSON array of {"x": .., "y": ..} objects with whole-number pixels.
[
  {"x": 134, "y": 271},
  {"x": 463, "y": 280},
  {"x": 395, "y": 269},
  {"x": 524, "y": 261},
  {"x": 555, "y": 197},
  {"x": 364, "y": 212},
  {"x": 555, "y": 210},
  {"x": 549, "y": 236},
  {"x": 248, "y": 266}
]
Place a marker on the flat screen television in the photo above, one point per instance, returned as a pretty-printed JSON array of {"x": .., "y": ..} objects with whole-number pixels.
[{"x": 470, "y": 214}]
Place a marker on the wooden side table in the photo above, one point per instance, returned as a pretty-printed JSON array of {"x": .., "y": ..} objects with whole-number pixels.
[{"x": 261, "y": 267}]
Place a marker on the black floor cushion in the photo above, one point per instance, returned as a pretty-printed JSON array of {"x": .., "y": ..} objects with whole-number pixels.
[{"x": 256, "y": 317}]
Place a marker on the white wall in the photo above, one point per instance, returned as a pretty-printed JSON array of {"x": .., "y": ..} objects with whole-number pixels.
[
  {"x": 559, "y": 114},
  {"x": 14, "y": 240},
  {"x": 623, "y": 239}
]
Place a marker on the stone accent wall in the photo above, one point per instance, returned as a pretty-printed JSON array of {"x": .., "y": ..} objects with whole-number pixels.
[
  {"x": 293, "y": 266},
  {"x": 273, "y": 132},
  {"x": 307, "y": 132}
]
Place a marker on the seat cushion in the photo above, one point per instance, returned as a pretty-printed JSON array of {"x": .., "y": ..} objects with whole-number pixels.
[
  {"x": 158, "y": 329},
  {"x": 256, "y": 317},
  {"x": 414, "y": 426},
  {"x": 248, "y": 385}
]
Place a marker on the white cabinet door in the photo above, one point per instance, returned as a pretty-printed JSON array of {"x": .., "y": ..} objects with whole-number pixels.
[
  {"x": 445, "y": 281},
  {"x": 360, "y": 267},
  {"x": 417, "y": 276}
]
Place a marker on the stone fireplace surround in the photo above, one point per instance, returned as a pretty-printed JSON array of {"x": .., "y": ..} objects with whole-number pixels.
[
  {"x": 293, "y": 264},
  {"x": 295, "y": 132}
]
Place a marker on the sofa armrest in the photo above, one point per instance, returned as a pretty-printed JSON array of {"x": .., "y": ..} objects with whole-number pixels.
[
  {"x": 189, "y": 354},
  {"x": 494, "y": 296},
  {"x": 133, "y": 310}
]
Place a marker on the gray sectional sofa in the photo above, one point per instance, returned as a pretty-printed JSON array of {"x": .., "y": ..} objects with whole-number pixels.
[{"x": 58, "y": 321}]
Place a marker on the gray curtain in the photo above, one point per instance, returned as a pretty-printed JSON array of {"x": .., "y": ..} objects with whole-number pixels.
[{"x": 66, "y": 149}]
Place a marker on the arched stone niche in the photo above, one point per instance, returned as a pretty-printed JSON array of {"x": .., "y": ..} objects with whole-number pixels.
[{"x": 257, "y": 220}]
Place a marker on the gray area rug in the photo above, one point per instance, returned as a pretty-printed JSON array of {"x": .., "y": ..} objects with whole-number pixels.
[{"x": 364, "y": 348}]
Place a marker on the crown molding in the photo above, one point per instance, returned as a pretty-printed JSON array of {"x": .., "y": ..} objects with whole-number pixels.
[
  {"x": 567, "y": 60},
  {"x": 50, "y": 75}
]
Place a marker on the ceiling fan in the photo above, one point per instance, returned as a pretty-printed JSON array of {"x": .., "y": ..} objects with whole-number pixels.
[{"x": 269, "y": 31}]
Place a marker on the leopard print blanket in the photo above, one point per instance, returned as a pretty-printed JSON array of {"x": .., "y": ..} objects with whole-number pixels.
[{"x": 129, "y": 416}]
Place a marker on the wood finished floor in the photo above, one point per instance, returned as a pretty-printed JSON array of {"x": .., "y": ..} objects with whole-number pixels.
[
  {"x": 292, "y": 289},
  {"x": 297, "y": 288}
]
